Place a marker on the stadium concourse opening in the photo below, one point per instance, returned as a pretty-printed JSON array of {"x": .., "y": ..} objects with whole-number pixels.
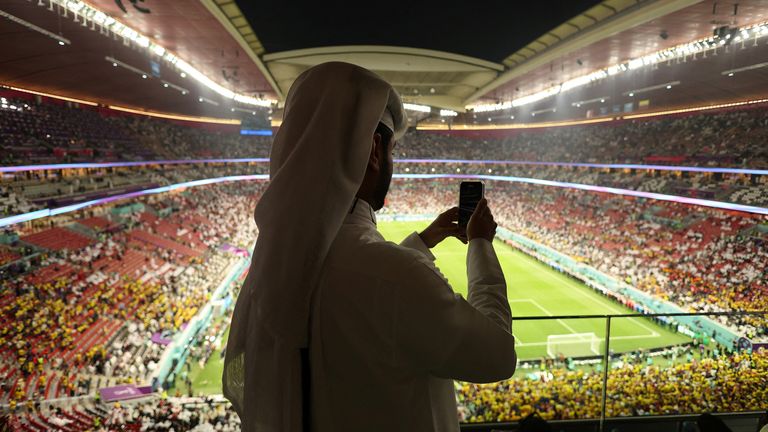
[{"x": 621, "y": 145}]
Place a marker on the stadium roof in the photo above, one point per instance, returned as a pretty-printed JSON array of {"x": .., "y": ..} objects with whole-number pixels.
[
  {"x": 612, "y": 32},
  {"x": 487, "y": 30},
  {"x": 442, "y": 55}
]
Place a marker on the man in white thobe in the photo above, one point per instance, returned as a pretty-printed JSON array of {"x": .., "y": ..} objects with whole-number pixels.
[
  {"x": 388, "y": 333},
  {"x": 336, "y": 329}
]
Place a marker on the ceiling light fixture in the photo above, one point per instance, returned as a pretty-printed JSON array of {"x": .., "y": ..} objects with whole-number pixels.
[
  {"x": 676, "y": 52},
  {"x": 544, "y": 111},
  {"x": 115, "y": 62},
  {"x": 666, "y": 85},
  {"x": 600, "y": 99},
  {"x": 88, "y": 12},
  {"x": 419, "y": 108},
  {"x": 208, "y": 101},
  {"x": 731, "y": 72},
  {"x": 62, "y": 40}
]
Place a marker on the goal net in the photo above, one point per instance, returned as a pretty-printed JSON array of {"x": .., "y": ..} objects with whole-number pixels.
[{"x": 573, "y": 345}]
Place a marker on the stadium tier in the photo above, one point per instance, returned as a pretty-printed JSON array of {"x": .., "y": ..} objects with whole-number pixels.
[
  {"x": 84, "y": 298},
  {"x": 45, "y": 133},
  {"x": 622, "y": 148}
]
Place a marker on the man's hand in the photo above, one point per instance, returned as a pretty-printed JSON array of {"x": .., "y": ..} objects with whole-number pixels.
[
  {"x": 443, "y": 227},
  {"x": 481, "y": 224}
]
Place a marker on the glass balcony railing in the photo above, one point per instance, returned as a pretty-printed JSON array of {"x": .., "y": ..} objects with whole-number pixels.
[{"x": 606, "y": 367}]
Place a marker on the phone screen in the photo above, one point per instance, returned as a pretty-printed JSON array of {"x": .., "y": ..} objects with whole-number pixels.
[{"x": 470, "y": 193}]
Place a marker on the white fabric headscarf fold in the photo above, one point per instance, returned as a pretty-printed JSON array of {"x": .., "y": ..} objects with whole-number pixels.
[{"x": 318, "y": 161}]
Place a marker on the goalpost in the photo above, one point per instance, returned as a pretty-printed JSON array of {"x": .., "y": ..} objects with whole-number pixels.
[{"x": 573, "y": 345}]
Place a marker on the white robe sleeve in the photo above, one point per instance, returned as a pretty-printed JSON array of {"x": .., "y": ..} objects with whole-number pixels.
[
  {"x": 487, "y": 286},
  {"x": 448, "y": 336},
  {"x": 414, "y": 241}
]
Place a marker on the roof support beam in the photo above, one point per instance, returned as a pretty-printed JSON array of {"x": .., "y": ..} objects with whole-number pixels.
[
  {"x": 225, "y": 21},
  {"x": 636, "y": 15}
]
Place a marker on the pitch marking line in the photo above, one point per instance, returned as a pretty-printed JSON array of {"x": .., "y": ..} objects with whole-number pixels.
[
  {"x": 613, "y": 308},
  {"x": 548, "y": 313},
  {"x": 570, "y": 329},
  {"x": 600, "y": 339},
  {"x": 580, "y": 287},
  {"x": 535, "y": 303},
  {"x": 518, "y": 341}
]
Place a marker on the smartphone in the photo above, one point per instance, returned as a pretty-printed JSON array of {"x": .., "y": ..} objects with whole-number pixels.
[{"x": 470, "y": 193}]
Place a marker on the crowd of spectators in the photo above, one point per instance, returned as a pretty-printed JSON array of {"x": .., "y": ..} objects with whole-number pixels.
[
  {"x": 172, "y": 141},
  {"x": 32, "y": 132},
  {"x": 33, "y": 190},
  {"x": 47, "y": 132},
  {"x": 51, "y": 132},
  {"x": 724, "y": 383},
  {"x": 721, "y": 138},
  {"x": 727, "y": 187},
  {"x": 80, "y": 317},
  {"x": 81, "y": 313},
  {"x": 198, "y": 414}
]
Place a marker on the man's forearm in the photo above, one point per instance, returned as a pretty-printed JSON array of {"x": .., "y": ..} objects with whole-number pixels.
[{"x": 487, "y": 288}]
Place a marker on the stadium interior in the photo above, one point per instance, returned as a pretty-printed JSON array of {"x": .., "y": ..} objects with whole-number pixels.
[{"x": 623, "y": 145}]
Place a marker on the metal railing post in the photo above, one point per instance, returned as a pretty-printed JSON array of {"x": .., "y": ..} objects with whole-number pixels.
[{"x": 606, "y": 367}]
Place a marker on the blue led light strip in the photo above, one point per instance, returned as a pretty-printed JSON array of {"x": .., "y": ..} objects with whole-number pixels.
[
  {"x": 591, "y": 165},
  {"x": 616, "y": 191},
  {"x": 625, "y": 192},
  {"x": 23, "y": 168},
  {"x": 70, "y": 208}
]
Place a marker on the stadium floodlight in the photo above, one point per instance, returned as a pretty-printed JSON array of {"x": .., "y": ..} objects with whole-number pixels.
[
  {"x": 115, "y": 62},
  {"x": 731, "y": 72},
  {"x": 525, "y": 100},
  {"x": 88, "y": 12},
  {"x": 245, "y": 110},
  {"x": 543, "y": 111},
  {"x": 490, "y": 107},
  {"x": 601, "y": 99},
  {"x": 667, "y": 54},
  {"x": 419, "y": 108},
  {"x": 573, "y": 345},
  {"x": 666, "y": 85},
  {"x": 208, "y": 101},
  {"x": 61, "y": 39}
]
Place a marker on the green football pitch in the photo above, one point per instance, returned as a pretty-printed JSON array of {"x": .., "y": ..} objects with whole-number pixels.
[{"x": 533, "y": 289}]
